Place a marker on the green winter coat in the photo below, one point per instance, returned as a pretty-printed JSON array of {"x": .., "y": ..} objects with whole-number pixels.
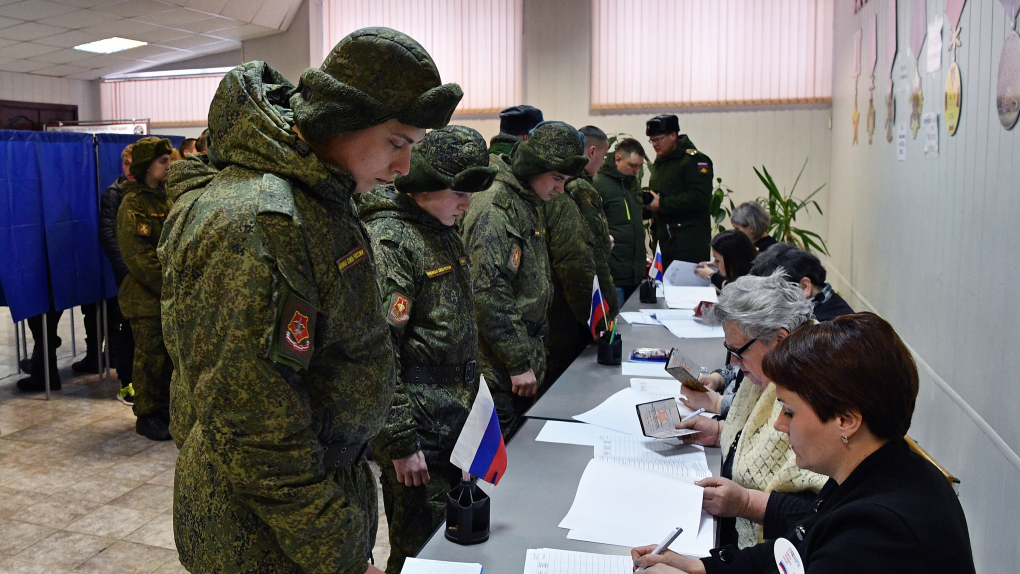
[
  {"x": 502, "y": 144},
  {"x": 273, "y": 317},
  {"x": 139, "y": 225},
  {"x": 682, "y": 225},
  {"x": 581, "y": 190},
  {"x": 621, "y": 200},
  {"x": 425, "y": 277}
]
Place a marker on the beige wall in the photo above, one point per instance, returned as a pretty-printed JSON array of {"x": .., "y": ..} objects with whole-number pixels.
[
  {"x": 929, "y": 244},
  {"x": 47, "y": 90}
]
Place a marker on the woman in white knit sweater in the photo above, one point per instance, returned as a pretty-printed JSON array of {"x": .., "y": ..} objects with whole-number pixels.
[{"x": 761, "y": 485}]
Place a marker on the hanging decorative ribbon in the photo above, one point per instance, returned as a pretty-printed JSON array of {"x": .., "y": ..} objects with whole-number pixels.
[
  {"x": 890, "y": 60},
  {"x": 857, "y": 74},
  {"x": 954, "y": 82},
  {"x": 1007, "y": 94},
  {"x": 918, "y": 30},
  {"x": 872, "y": 60}
]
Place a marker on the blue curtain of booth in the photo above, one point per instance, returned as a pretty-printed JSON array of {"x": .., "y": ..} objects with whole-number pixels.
[{"x": 49, "y": 218}]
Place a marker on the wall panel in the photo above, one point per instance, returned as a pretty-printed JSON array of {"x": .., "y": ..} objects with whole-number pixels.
[{"x": 49, "y": 90}]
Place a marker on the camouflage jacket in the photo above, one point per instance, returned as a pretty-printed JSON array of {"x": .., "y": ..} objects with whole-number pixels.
[
  {"x": 572, "y": 257},
  {"x": 589, "y": 203},
  {"x": 502, "y": 144},
  {"x": 504, "y": 232},
  {"x": 273, "y": 318},
  {"x": 425, "y": 278},
  {"x": 139, "y": 225}
]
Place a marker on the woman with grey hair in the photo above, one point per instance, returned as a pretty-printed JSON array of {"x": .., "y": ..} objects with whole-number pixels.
[
  {"x": 760, "y": 478},
  {"x": 751, "y": 219}
]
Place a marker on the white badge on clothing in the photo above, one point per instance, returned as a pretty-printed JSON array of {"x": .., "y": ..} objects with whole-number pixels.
[{"x": 787, "y": 558}]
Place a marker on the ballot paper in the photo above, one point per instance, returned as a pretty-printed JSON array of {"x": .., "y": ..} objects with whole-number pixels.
[
  {"x": 681, "y": 274},
  {"x": 689, "y": 297},
  {"x": 419, "y": 566},
  {"x": 625, "y": 506},
  {"x": 682, "y": 461},
  {"x": 638, "y": 318},
  {"x": 619, "y": 412},
  {"x": 552, "y": 561},
  {"x": 565, "y": 432},
  {"x": 699, "y": 548},
  {"x": 661, "y": 387},
  {"x": 690, "y": 329},
  {"x": 644, "y": 369},
  {"x": 668, "y": 314}
]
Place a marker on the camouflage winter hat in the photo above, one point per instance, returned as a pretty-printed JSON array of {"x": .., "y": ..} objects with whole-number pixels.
[
  {"x": 553, "y": 146},
  {"x": 371, "y": 76},
  {"x": 454, "y": 158},
  {"x": 144, "y": 152}
]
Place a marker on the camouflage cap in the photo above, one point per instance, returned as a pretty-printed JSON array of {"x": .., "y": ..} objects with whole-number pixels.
[
  {"x": 552, "y": 146},
  {"x": 144, "y": 151},
  {"x": 373, "y": 75},
  {"x": 454, "y": 158}
]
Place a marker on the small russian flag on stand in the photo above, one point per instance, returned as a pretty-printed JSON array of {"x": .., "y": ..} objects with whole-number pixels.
[
  {"x": 480, "y": 449},
  {"x": 655, "y": 271},
  {"x": 598, "y": 309}
]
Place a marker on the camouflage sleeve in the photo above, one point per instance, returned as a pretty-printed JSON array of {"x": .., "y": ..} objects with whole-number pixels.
[
  {"x": 138, "y": 250},
  {"x": 256, "y": 416},
  {"x": 571, "y": 254},
  {"x": 396, "y": 271},
  {"x": 694, "y": 190},
  {"x": 499, "y": 319}
]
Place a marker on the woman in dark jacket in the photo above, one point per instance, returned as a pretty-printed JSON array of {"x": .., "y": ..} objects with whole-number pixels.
[
  {"x": 751, "y": 219},
  {"x": 732, "y": 256},
  {"x": 885, "y": 509}
]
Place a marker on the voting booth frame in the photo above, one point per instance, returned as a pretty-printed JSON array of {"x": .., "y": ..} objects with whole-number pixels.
[{"x": 50, "y": 258}]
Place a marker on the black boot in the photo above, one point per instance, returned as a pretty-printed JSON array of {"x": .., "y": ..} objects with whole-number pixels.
[
  {"x": 152, "y": 427},
  {"x": 86, "y": 366},
  {"x": 36, "y": 382}
]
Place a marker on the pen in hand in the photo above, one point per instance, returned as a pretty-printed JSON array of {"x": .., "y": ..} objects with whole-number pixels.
[
  {"x": 692, "y": 415},
  {"x": 665, "y": 544}
]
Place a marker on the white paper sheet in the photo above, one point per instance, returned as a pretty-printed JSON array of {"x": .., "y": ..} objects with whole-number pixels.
[
  {"x": 668, "y": 457},
  {"x": 419, "y": 566},
  {"x": 689, "y": 329},
  {"x": 700, "y": 548},
  {"x": 552, "y": 561},
  {"x": 619, "y": 412},
  {"x": 631, "y": 507},
  {"x": 637, "y": 318},
  {"x": 564, "y": 432},
  {"x": 661, "y": 387},
  {"x": 689, "y": 297},
  {"x": 644, "y": 369},
  {"x": 681, "y": 274},
  {"x": 666, "y": 314}
]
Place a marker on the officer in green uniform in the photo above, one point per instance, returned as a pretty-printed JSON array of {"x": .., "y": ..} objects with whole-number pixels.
[
  {"x": 579, "y": 246},
  {"x": 272, "y": 310},
  {"x": 681, "y": 185},
  {"x": 139, "y": 224},
  {"x": 425, "y": 278},
  {"x": 504, "y": 232},
  {"x": 617, "y": 184},
  {"x": 515, "y": 123}
]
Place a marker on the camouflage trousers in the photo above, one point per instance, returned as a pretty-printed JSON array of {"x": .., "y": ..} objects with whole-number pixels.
[
  {"x": 414, "y": 512},
  {"x": 152, "y": 367}
]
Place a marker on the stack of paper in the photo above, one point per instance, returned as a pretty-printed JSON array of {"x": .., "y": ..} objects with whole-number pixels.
[
  {"x": 552, "y": 561},
  {"x": 681, "y": 274},
  {"x": 661, "y": 387},
  {"x": 638, "y": 318},
  {"x": 687, "y": 462},
  {"x": 644, "y": 369},
  {"x": 689, "y": 329},
  {"x": 619, "y": 412},
  {"x": 578, "y": 433},
  {"x": 419, "y": 566},
  {"x": 688, "y": 297}
]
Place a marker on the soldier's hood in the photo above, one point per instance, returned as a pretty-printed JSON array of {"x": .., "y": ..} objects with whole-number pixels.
[
  {"x": 251, "y": 125},
  {"x": 194, "y": 172},
  {"x": 384, "y": 201}
]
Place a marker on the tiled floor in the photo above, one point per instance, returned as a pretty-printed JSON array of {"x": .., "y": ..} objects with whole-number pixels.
[{"x": 79, "y": 490}]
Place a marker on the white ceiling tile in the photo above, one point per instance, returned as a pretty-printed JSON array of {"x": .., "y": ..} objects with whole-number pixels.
[
  {"x": 190, "y": 42},
  {"x": 23, "y": 66},
  {"x": 26, "y": 50},
  {"x": 103, "y": 61},
  {"x": 79, "y": 19},
  {"x": 68, "y": 39},
  {"x": 34, "y": 10},
  {"x": 246, "y": 32},
  {"x": 173, "y": 17},
  {"x": 181, "y": 3},
  {"x": 242, "y": 10},
  {"x": 61, "y": 70},
  {"x": 89, "y": 75},
  {"x": 224, "y": 46},
  {"x": 5, "y": 60},
  {"x": 134, "y": 8},
  {"x": 271, "y": 14},
  {"x": 117, "y": 28},
  {"x": 143, "y": 52},
  {"x": 209, "y": 6},
  {"x": 8, "y": 22},
  {"x": 203, "y": 26},
  {"x": 5, "y": 43},
  {"x": 30, "y": 31},
  {"x": 160, "y": 35},
  {"x": 87, "y": 3},
  {"x": 62, "y": 56}
]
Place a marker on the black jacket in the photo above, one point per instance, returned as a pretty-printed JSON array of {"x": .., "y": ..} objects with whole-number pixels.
[
  {"x": 622, "y": 204},
  {"x": 109, "y": 203},
  {"x": 829, "y": 305},
  {"x": 895, "y": 513}
]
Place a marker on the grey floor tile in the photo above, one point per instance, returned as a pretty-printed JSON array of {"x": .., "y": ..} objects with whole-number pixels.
[
  {"x": 13, "y": 500},
  {"x": 127, "y": 558},
  {"x": 147, "y": 497},
  {"x": 157, "y": 532},
  {"x": 16, "y": 536},
  {"x": 171, "y": 567},
  {"x": 98, "y": 488},
  {"x": 165, "y": 479},
  {"x": 47, "y": 480},
  {"x": 64, "y": 550},
  {"x": 139, "y": 470},
  {"x": 110, "y": 522},
  {"x": 55, "y": 512},
  {"x": 15, "y": 566},
  {"x": 11, "y": 471}
]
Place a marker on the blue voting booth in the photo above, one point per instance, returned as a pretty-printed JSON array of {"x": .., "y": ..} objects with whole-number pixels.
[{"x": 50, "y": 183}]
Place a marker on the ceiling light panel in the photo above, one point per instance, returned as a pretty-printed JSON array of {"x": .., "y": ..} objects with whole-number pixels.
[{"x": 109, "y": 45}]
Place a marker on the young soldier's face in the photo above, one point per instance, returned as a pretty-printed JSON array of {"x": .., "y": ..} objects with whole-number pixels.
[
  {"x": 445, "y": 205},
  {"x": 159, "y": 169},
  {"x": 549, "y": 184},
  {"x": 629, "y": 165},
  {"x": 373, "y": 156}
]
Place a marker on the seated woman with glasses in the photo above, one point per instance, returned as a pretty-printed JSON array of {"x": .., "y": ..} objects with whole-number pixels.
[
  {"x": 846, "y": 391},
  {"x": 760, "y": 484}
]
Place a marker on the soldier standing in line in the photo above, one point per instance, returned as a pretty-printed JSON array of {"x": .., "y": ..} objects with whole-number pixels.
[
  {"x": 505, "y": 235},
  {"x": 514, "y": 125},
  {"x": 620, "y": 191},
  {"x": 681, "y": 185},
  {"x": 273, "y": 314},
  {"x": 139, "y": 224},
  {"x": 425, "y": 279}
]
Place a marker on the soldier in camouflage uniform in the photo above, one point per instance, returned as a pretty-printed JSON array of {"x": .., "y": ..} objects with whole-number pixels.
[
  {"x": 139, "y": 224},
  {"x": 579, "y": 247},
  {"x": 426, "y": 283},
  {"x": 272, "y": 310},
  {"x": 505, "y": 235}
]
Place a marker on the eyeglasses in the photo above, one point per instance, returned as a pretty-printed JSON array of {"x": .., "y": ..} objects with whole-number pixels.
[
  {"x": 657, "y": 139},
  {"x": 738, "y": 353}
]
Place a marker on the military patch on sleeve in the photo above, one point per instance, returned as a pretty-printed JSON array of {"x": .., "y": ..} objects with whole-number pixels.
[
  {"x": 702, "y": 167},
  {"x": 463, "y": 261},
  {"x": 692, "y": 151},
  {"x": 297, "y": 331},
  {"x": 400, "y": 309},
  {"x": 514, "y": 262},
  {"x": 355, "y": 256},
  {"x": 143, "y": 228},
  {"x": 437, "y": 271}
]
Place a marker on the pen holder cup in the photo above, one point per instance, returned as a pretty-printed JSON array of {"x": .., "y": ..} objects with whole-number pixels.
[
  {"x": 647, "y": 292},
  {"x": 610, "y": 353},
  {"x": 467, "y": 514}
]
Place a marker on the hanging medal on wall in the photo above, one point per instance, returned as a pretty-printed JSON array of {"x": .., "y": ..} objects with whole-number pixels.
[
  {"x": 890, "y": 60},
  {"x": 1007, "y": 94},
  {"x": 872, "y": 60},
  {"x": 918, "y": 30},
  {"x": 857, "y": 74},
  {"x": 954, "y": 83}
]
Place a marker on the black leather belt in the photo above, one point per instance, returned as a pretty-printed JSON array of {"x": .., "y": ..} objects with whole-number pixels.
[
  {"x": 337, "y": 455},
  {"x": 535, "y": 330},
  {"x": 434, "y": 374}
]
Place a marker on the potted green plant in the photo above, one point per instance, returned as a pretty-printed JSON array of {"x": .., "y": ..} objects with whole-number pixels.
[
  {"x": 784, "y": 209},
  {"x": 719, "y": 210}
]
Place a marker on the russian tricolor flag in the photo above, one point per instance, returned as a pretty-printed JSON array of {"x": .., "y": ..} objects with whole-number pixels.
[
  {"x": 480, "y": 449},
  {"x": 598, "y": 309},
  {"x": 655, "y": 271}
]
